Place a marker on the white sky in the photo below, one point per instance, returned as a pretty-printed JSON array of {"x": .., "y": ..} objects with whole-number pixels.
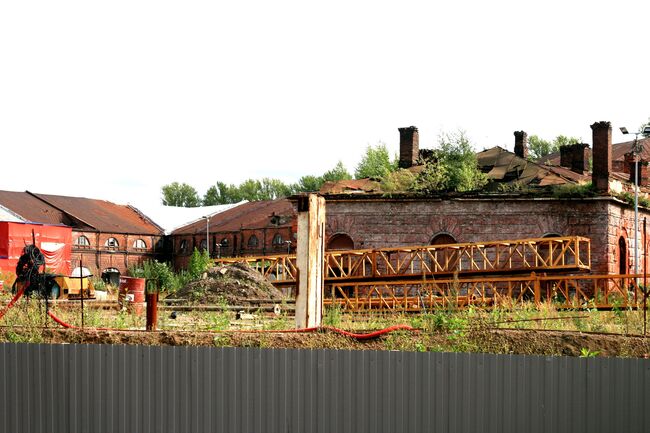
[{"x": 114, "y": 99}]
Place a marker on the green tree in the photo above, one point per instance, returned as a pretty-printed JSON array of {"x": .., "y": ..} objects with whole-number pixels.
[
  {"x": 376, "y": 163},
  {"x": 221, "y": 193},
  {"x": 308, "y": 183},
  {"x": 453, "y": 167},
  {"x": 180, "y": 194},
  {"x": 271, "y": 189},
  {"x": 199, "y": 263},
  {"x": 339, "y": 172},
  {"x": 539, "y": 148}
]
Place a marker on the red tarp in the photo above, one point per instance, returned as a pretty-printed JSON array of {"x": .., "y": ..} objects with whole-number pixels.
[{"x": 55, "y": 242}]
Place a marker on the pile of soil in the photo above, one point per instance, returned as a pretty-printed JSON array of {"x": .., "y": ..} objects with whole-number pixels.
[{"x": 232, "y": 284}]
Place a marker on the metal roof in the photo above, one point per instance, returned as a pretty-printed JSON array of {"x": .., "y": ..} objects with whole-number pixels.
[
  {"x": 255, "y": 214},
  {"x": 79, "y": 213}
]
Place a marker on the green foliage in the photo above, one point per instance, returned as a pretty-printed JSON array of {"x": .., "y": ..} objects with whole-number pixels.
[
  {"x": 339, "y": 172},
  {"x": 220, "y": 193},
  {"x": 571, "y": 190},
  {"x": 180, "y": 194},
  {"x": 332, "y": 316},
  {"x": 198, "y": 264},
  {"x": 308, "y": 184},
  {"x": 453, "y": 167},
  {"x": 586, "y": 353},
  {"x": 400, "y": 180},
  {"x": 628, "y": 197},
  {"x": 159, "y": 276},
  {"x": 375, "y": 163},
  {"x": 538, "y": 147}
]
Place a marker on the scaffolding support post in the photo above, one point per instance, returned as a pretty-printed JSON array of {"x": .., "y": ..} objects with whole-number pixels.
[{"x": 310, "y": 254}]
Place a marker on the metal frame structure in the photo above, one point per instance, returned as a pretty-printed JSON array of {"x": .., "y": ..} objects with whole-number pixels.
[
  {"x": 574, "y": 291},
  {"x": 560, "y": 254}
]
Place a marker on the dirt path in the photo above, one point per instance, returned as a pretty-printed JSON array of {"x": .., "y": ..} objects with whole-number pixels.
[{"x": 477, "y": 340}]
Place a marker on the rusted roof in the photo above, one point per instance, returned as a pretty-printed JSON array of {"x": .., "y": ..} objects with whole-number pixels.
[
  {"x": 255, "y": 214},
  {"x": 33, "y": 209},
  {"x": 79, "y": 213},
  {"x": 618, "y": 152},
  {"x": 103, "y": 215},
  {"x": 349, "y": 186},
  {"x": 503, "y": 166}
]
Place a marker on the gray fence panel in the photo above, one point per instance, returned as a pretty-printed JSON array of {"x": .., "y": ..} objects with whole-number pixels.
[{"x": 103, "y": 388}]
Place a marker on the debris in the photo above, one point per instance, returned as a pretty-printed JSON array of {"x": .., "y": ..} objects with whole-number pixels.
[{"x": 232, "y": 284}]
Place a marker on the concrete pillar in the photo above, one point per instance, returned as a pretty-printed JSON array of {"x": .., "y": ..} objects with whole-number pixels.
[{"x": 310, "y": 254}]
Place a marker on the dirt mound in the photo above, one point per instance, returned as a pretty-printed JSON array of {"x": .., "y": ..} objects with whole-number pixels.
[{"x": 233, "y": 284}]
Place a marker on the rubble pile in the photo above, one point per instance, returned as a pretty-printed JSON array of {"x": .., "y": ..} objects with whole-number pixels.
[{"x": 232, "y": 284}]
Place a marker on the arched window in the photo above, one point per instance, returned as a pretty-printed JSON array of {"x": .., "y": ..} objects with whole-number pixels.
[
  {"x": 448, "y": 256},
  {"x": 622, "y": 256},
  {"x": 277, "y": 240},
  {"x": 82, "y": 241},
  {"x": 225, "y": 243},
  {"x": 443, "y": 239},
  {"x": 183, "y": 246},
  {"x": 111, "y": 243},
  {"x": 139, "y": 244},
  {"x": 203, "y": 245},
  {"x": 552, "y": 235},
  {"x": 253, "y": 242},
  {"x": 340, "y": 241}
]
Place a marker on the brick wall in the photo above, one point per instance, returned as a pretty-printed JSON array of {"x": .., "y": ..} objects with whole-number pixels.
[
  {"x": 98, "y": 257},
  {"x": 237, "y": 243},
  {"x": 393, "y": 222}
]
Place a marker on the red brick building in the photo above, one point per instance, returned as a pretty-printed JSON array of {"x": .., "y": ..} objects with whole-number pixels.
[
  {"x": 106, "y": 237},
  {"x": 249, "y": 229},
  {"x": 369, "y": 219}
]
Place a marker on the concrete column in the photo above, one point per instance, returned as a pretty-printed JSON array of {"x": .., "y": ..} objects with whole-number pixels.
[{"x": 310, "y": 253}]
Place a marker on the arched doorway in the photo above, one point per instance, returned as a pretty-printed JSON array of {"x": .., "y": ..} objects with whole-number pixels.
[
  {"x": 111, "y": 276},
  {"x": 337, "y": 266},
  {"x": 340, "y": 241},
  {"x": 447, "y": 259},
  {"x": 622, "y": 256}
]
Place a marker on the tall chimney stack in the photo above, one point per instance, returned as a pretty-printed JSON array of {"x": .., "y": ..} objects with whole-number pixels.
[
  {"x": 521, "y": 144},
  {"x": 409, "y": 146},
  {"x": 602, "y": 155}
]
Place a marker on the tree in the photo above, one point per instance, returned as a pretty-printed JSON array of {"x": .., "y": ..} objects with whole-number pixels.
[
  {"x": 453, "y": 167},
  {"x": 270, "y": 189},
  {"x": 339, "y": 172},
  {"x": 308, "y": 183},
  {"x": 375, "y": 163},
  {"x": 220, "y": 193},
  {"x": 539, "y": 148},
  {"x": 180, "y": 194}
]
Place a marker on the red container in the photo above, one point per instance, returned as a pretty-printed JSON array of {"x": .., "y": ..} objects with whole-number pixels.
[{"x": 131, "y": 290}]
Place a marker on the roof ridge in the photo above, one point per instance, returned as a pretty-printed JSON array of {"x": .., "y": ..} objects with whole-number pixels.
[{"x": 37, "y": 196}]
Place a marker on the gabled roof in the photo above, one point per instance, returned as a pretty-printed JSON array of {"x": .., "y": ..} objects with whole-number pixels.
[
  {"x": 251, "y": 215},
  {"x": 79, "y": 213}
]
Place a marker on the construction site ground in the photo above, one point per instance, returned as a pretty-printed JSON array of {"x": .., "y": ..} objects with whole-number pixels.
[
  {"x": 474, "y": 339},
  {"x": 224, "y": 308}
]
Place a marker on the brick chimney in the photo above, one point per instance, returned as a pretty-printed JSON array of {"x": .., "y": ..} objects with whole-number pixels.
[
  {"x": 574, "y": 156},
  {"x": 521, "y": 144},
  {"x": 631, "y": 169},
  {"x": 409, "y": 146},
  {"x": 601, "y": 133}
]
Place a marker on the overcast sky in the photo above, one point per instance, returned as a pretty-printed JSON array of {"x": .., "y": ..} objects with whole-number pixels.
[{"x": 114, "y": 99}]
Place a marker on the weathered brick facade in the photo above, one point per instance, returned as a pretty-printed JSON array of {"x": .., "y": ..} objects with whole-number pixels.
[
  {"x": 98, "y": 257},
  {"x": 386, "y": 222}
]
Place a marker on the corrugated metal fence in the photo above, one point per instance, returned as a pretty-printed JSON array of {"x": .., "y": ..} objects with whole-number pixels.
[{"x": 103, "y": 388}]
